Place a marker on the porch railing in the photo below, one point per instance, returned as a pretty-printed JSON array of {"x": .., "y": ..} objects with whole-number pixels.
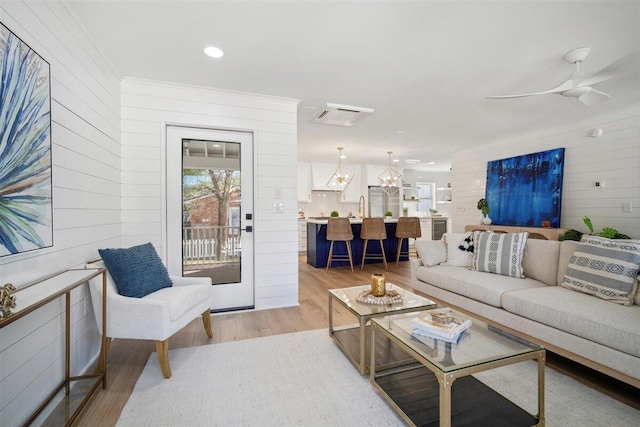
[{"x": 210, "y": 245}]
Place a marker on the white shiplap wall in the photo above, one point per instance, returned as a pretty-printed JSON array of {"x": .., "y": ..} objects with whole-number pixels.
[
  {"x": 613, "y": 158},
  {"x": 85, "y": 114},
  {"x": 148, "y": 106}
]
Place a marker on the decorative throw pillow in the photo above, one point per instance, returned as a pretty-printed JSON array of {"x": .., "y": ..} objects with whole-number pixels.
[
  {"x": 606, "y": 268},
  {"x": 456, "y": 256},
  {"x": 431, "y": 252},
  {"x": 137, "y": 271},
  {"x": 499, "y": 253}
]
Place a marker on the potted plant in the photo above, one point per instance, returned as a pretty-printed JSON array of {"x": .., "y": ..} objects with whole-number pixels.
[
  {"x": 405, "y": 211},
  {"x": 334, "y": 214},
  {"x": 388, "y": 214},
  {"x": 483, "y": 206}
]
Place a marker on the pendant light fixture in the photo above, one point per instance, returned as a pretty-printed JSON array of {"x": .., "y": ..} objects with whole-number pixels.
[
  {"x": 390, "y": 180},
  {"x": 341, "y": 178}
]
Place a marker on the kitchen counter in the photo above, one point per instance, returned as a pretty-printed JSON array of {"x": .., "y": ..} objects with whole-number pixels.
[
  {"x": 351, "y": 220},
  {"x": 318, "y": 245}
]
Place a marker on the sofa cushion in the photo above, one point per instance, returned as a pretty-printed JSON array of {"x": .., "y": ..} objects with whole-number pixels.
[
  {"x": 580, "y": 314},
  {"x": 606, "y": 268},
  {"x": 499, "y": 253},
  {"x": 483, "y": 287},
  {"x": 137, "y": 271},
  {"x": 431, "y": 252},
  {"x": 456, "y": 256},
  {"x": 540, "y": 261}
]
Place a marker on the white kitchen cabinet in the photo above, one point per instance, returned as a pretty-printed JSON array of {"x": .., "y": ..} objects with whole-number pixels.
[
  {"x": 425, "y": 228},
  {"x": 321, "y": 173},
  {"x": 353, "y": 192},
  {"x": 304, "y": 182},
  {"x": 302, "y": 235}
]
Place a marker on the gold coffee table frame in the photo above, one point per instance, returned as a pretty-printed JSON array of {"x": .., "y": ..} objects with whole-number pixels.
[
  {"x": 346, "y": 298},
  {"x": 445, "y": 372}
]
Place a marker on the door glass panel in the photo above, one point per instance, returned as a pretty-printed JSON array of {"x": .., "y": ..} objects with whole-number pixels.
[{"x": 211, "y": 195}]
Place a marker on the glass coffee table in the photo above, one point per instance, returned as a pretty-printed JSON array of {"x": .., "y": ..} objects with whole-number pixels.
[
  {"x": 421, "y": 388},
  {"x": 354, "y": 341}
]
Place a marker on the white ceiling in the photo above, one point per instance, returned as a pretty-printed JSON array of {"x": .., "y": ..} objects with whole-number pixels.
[{"x": 424, "y": 66}]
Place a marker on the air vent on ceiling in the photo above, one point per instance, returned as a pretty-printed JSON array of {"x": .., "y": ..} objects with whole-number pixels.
[{"x": 340, "y": 115}]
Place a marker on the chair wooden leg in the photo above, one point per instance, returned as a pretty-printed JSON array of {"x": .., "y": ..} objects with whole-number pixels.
[
  {"x": 349, "y": 252},
  {"x": 399, "y": 250},
  {"x": 330, "y": 255},
  {"x": 162, "y": 347},
  {"x": 384, "y": 257},
  {"x": 364, "y": 253},
  {"x": 206, "y": 319}
]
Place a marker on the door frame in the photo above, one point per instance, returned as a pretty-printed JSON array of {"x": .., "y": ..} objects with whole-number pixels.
[{"x": 163, "y": 190}]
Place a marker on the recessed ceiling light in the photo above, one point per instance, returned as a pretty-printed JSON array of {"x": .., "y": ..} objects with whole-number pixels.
[
  {"x": 213, "y": 52},
  {"x": 431, "y": 163},
  {"x": 342, "y": 156},
  {"x": 402, "y": 131},
  {"x": 395, "y": 160},
  {"x": 411, "y": 161}
]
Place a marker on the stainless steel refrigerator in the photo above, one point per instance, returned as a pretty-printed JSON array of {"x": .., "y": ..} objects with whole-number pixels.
[{"x": 381, "y": 202}]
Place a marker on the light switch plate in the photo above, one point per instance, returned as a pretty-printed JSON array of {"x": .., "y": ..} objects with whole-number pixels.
[{"x": 627, "y": 206}]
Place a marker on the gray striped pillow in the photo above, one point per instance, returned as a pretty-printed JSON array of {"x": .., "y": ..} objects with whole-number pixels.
[
  {"x": 499, "y": 253},
  {"x": 606, "y": 268}
]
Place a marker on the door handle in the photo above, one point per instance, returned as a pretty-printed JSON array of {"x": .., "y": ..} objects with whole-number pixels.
[{"x": 249, "y": 229}]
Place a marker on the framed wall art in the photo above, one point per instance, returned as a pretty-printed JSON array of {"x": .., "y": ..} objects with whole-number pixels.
[
  {"x": 26, "y": 212},
  {"x": 526, "y": 190}
]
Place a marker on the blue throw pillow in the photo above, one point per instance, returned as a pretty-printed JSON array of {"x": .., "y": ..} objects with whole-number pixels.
[{"x": 137, "y": 271}]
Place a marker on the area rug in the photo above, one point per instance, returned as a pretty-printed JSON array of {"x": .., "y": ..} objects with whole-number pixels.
[{"x": 304, "y": 379}]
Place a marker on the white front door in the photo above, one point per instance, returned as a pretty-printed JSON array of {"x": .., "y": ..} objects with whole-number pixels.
[{"x": 209, "y": 212}]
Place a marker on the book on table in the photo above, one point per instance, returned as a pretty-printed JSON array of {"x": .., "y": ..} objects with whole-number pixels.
[{"x": 440, "y": 323}]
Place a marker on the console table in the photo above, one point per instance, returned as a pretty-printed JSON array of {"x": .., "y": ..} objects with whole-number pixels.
[{"x": 31, "y": 297}]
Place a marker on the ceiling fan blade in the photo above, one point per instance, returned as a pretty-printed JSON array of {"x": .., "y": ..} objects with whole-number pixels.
[
  {"x": 558, "y": 89},
  {"x": 593, "y": 97},
  {"x": 629, "y": 62}
]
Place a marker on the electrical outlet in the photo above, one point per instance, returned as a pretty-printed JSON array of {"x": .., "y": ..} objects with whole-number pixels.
[
  {"x": 627, "y": 206},
  {"x": 598, "y": 184},
  {"x": 459, "y": 208}
]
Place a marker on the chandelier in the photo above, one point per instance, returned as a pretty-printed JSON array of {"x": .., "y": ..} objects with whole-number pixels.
[
  {"x": 341, "y": 178},
  {"x": 390, "y": 180}
]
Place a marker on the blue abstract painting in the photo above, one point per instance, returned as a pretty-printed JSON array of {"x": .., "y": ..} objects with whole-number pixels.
[
  {"x": 25, "y": 148},
  {"x": 526, "y": 190}
]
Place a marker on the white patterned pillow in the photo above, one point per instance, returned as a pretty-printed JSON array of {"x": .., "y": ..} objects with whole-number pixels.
[
  {"x": 606, "y": 268},
  {"x": 499, "y": 253},
  {"x": 456, "y": 256}
]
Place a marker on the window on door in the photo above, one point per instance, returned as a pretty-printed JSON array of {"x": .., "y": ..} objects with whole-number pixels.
[{"x": 211, "y": 194}]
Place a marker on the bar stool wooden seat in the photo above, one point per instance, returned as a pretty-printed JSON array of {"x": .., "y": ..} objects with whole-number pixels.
[
  {"x": 373, "y": 229},
  {"x": 339, "y": 230},
  {"x": 408, "y": 228}
]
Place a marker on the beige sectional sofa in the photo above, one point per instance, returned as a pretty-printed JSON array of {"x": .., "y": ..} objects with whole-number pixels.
[{"x": 595, "y": 332}]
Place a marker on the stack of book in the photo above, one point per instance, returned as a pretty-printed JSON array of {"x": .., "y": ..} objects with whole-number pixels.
[{"x": 440, "y": 324}]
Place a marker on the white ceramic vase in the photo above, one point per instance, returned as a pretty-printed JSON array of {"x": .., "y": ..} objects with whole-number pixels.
[{"x": 486, "y": 220}]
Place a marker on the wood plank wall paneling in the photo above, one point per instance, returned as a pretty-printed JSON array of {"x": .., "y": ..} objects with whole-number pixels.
[
  {"x": 613, "y": 158},
  {"x": 149, "y": 105},
  {"x": 85, "y": 113}
]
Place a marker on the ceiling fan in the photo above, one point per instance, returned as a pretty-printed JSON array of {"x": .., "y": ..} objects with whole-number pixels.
[{"x": 580, "y": 86}]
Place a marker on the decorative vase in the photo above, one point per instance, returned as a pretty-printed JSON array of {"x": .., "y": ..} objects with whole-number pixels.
[
  {"x": 481, "y": 220},
  {"x": 486, "y": 220},
  {"x": 377, "y": 285}
]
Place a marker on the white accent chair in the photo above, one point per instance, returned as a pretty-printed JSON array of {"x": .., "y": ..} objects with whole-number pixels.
[{"x": 156, "y": 316}]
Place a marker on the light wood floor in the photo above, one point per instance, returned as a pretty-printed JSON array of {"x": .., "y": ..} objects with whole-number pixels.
[{"x": 127, "y": 358}]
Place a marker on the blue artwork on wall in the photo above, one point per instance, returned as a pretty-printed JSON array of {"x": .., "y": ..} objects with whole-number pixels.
[
  {"x": 26, "y": 211},
  {"x": 526, "y": 190}
]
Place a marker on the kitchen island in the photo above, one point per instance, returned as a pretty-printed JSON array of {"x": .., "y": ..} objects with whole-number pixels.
[{"x": 318, "y": 245}]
